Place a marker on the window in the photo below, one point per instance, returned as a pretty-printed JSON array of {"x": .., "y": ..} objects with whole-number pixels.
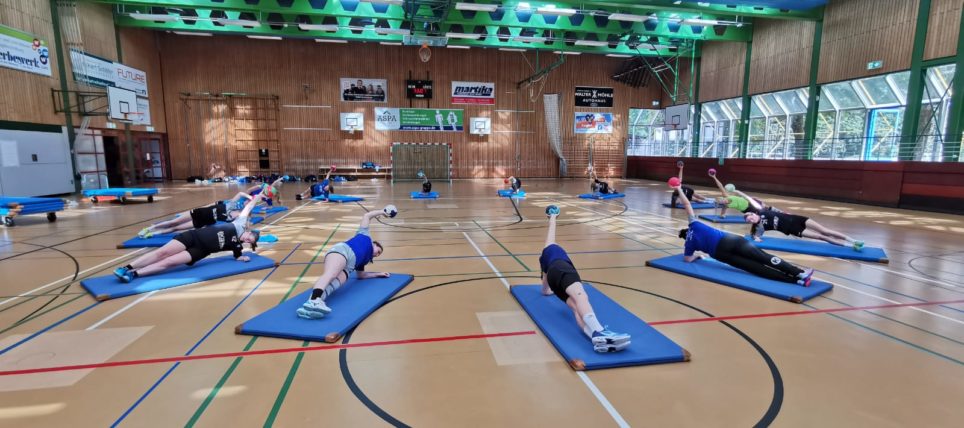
[
  {"x": 934, "y": 115},
  {"x": 777, "y": 125},
  {"x": 647, "y": 137},
  {"x": 719, "y": 130}
]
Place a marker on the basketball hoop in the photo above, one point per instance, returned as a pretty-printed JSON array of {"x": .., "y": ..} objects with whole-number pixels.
[
  {"x": 131, "y": 117},
  {"x": 424, "y": 53},
  {"x": 351, "y": 130}
]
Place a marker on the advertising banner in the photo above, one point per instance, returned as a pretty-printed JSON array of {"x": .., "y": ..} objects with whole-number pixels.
[
  {"x": 364, "y": 90},
  {"x": 418, "y": 119},
  {"x": 24, "y": 52},
  {"x": 587, "y": 96},
  {"x": 479, "y": 93},
  {"x": 593, "y": 123},
  {"x": 97, "y": 71}
]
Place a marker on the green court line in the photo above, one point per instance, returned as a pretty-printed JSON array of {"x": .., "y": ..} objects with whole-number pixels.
[
  {"x": 900, "y": 322},
  {"x": 503, "y": 246},
  {"x": 237, "y": 361},
  {"x": 284, "y": 388}
]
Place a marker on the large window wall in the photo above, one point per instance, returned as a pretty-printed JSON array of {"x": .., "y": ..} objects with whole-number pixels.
[{"x": 859, "y": 120}]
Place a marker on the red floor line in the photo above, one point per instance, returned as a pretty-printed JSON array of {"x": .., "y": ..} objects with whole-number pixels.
[
  {"x": 260, "y": 352},
  {"x": 809, "y": 312}
]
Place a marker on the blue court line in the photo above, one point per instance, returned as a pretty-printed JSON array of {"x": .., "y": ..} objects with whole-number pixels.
[
  {"x": 889, "y": 291},
  {"x": 48, "y": 328},
  {"x": 196, "y": 345},
  {"x": 898, "y": 321},
  {"x": 913, "y": 345}
]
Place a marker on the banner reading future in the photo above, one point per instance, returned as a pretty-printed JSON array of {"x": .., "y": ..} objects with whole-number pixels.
[
  {"x": 24, "y": 52},
  {"x": 418, "y": 119}
]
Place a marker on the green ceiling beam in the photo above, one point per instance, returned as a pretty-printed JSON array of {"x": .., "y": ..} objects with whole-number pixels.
[{"x": 711, "y": 9}]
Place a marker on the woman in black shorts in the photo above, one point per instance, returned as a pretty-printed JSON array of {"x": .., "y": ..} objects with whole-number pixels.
[
  {"x": 560, "y": 277},
  {"x": 598, "y": 186},
  {"x": 193, "y": 245},
  {"x": 197, "y": 218},
  {"x": 797, "y": 225}
]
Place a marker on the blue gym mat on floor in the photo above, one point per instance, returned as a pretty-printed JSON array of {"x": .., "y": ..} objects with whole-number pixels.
[
  {"x": 154, "y": 241},
  {"x": 730, "y": 219},
  {"x": 339, "y": 198},
  {"x": 601, "y": 196},
  {"x": 350, "y": 305},
  {"x": 721, "y": 273},
  {"x": 269, "y": 210},
  {"x": 109, "y": 287},
  {"x": 120, "y": 191},
  {"x": 555, "y": 320},
  {"x": 505, "y": 193},
  {"x": 420, "y": 195},
  {"x": 695, "y": 205},
  {"x": 820, "y": 248}
]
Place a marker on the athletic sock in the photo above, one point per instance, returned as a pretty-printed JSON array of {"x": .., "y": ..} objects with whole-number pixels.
[
  {"x": 129, "y": 267},
  {"x": 133, "y": 273},
  {"x": 591, "y": 322},
  {"x": 588, "y": 331},
  {"x": 323, "y": 293},
  {"x": 316, "y": 293}
]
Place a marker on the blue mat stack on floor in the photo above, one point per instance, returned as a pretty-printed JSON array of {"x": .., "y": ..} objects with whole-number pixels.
[
  {"x": 506, "y": 193},
  {"x": 339, "y": 198},
  {"x": 695, "y": 205},
  {"x": 721, "y": 273},
  {"x": 730, "y": 219},
  {"x": 121, "y": 193},
  {"x": 354, "y": 302},
  {"x": 820, "y": 248},
  {"x": 11, "y": 207},
  {"x": 421, "y": 195},
  {"x": 602, "y": 196},
  {"x": 109, "y": 287},
  {"x": 555, "y": 319}
]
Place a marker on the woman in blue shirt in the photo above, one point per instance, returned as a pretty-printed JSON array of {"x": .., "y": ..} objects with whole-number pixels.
[
  {"x": 324, "y": 188},
  {"x": 736, "y": 251}
]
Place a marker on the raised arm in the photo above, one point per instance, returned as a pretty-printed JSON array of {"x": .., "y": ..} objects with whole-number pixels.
[
  {"x": 685, "y": 201},
  {"x": 749, "y": 199},
  {"x": 367, "y": 218},
  {"x": 680, "y": 174},
  {"x": 328, "y": 175},
  {"x": 250, "y": 205},
  {"x": 239, "y": 196},
  {"x": 719, "y": 185}
]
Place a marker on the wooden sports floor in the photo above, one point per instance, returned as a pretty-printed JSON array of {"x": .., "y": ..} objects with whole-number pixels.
[{"x": 410, "y": 363}]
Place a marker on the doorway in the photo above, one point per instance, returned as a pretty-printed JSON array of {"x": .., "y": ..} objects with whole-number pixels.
[{"x": 115, "y": 173}]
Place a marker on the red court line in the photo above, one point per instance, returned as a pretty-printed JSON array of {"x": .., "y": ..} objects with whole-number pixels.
[
  {"x": 261, "y": 352},
  {"x": 814, "y": 311}
]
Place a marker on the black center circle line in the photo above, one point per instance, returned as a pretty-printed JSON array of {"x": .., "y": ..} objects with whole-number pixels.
[{"x": 776, "y": 401}]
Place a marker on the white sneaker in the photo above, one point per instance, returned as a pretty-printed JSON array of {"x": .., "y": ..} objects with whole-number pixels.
[
  {"x": 313, "y": 309},
  {"x": 611, "y": 348},
  {"x": 607, "y": 337}
]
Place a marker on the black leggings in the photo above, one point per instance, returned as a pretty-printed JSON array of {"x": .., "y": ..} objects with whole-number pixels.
[
  {"x": 688, "y": 191},
  {"x": 426, "y": 186},
  {"x": 736, "y": 251}
]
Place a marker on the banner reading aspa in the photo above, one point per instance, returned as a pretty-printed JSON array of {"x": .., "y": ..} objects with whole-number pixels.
[
  {"x": 24, "y": 52},
  {"x": 101, "y": 72},
  {"x": 593, "y": 123},
  {"x": 481, "y": 93},
  {"x": 418, "y": 119}
]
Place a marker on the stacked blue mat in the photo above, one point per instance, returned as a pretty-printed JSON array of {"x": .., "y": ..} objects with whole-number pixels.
[
  {"x": 354, "y": 302},
  {"x": 602, "y": 196},
  {"x": 730, "y": 219},
  {"x": 695, "y": 205},
  {"x": 555, "y": 319},
  {"x": 12, "y": 206},
  {"x": 120, "y": 191},
  {"x": 819, "y": 248},
  {"x": 724, "y": 274},
  {"x": 506, "y": 193},
  {"x": 422, "y": 195}
]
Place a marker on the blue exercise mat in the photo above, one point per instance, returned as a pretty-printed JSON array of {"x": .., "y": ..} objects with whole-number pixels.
[
  {"x": 109, "y": 287},
  {"x": 154, "y": 241},
  {"x": 505, "y": 193},
  {"x": 721, "y": 273},
  {"x": 339, "y": 198},
  {"x": 601, "y": 196},
  {"x": 730, "y": 219},
  {"x": 555, "y": 320},
  {"x": 120, "y": 191},
  {"x": 269, "y": 210},
  {"x": 350, "y": 305},
  {"x": 420, "y": 195},
  {"x": 819, "y": 248},
  {"x": 695, "y": 205}
]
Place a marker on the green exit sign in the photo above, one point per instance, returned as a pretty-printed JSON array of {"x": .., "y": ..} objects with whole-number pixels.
[{"x": 873, "y": 65}]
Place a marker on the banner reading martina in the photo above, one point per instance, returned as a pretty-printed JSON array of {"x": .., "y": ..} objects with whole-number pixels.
[
  {"x": 24, "y": 52},
  {"x": 418, "y": 119},
  {"x": 482, "y": 93},
  {"x": 364, "y": 90}
]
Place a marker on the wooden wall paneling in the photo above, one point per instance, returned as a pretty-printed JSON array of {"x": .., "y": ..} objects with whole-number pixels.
[
  {"x": 943, "y": 28},
  {"x": 140, "y": 51},
  {"x": 26, "y": 96},
  {"x": 722, "y": 69},
  {"x": 856, "y": 32},
  {"x": 781, "y": 55}
]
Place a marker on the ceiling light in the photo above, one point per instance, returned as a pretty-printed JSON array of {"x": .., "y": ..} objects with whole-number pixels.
[
  {"x": 619, "y": 56},
  {"x": 530, "y": 39},
  {"x": 391, "y": 2},
  {"x": 238, "y": 22},
  {"x": 463, "y": 36},
  {"x": 523, "y": 6},
  {"x": 155, "y": 17},
  {"x": 566, "y": 53},
  {"x": 655, "y": 47},
  {"x": 264, "y": 37},
  {"x": 559, "y": 11},
  {"x": 331, "y": 41},
  {"x": 512, "y": 50},
  {"x": 701, "y": 22},
  {"x": 399, "y": 31},
  {"x": 627, "y": 17},
  {"x": 477, "y": 7},
  {"x": 677, "y": 1},
  {"x": 319, "y": 27},
  {"x": 597, "y": 43},
  {"x": 457, "y": 47},
  {"x": 703, "y": 4},
  {"x": 390, "y": 43},
  {"x": 190, "y": 33}
]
